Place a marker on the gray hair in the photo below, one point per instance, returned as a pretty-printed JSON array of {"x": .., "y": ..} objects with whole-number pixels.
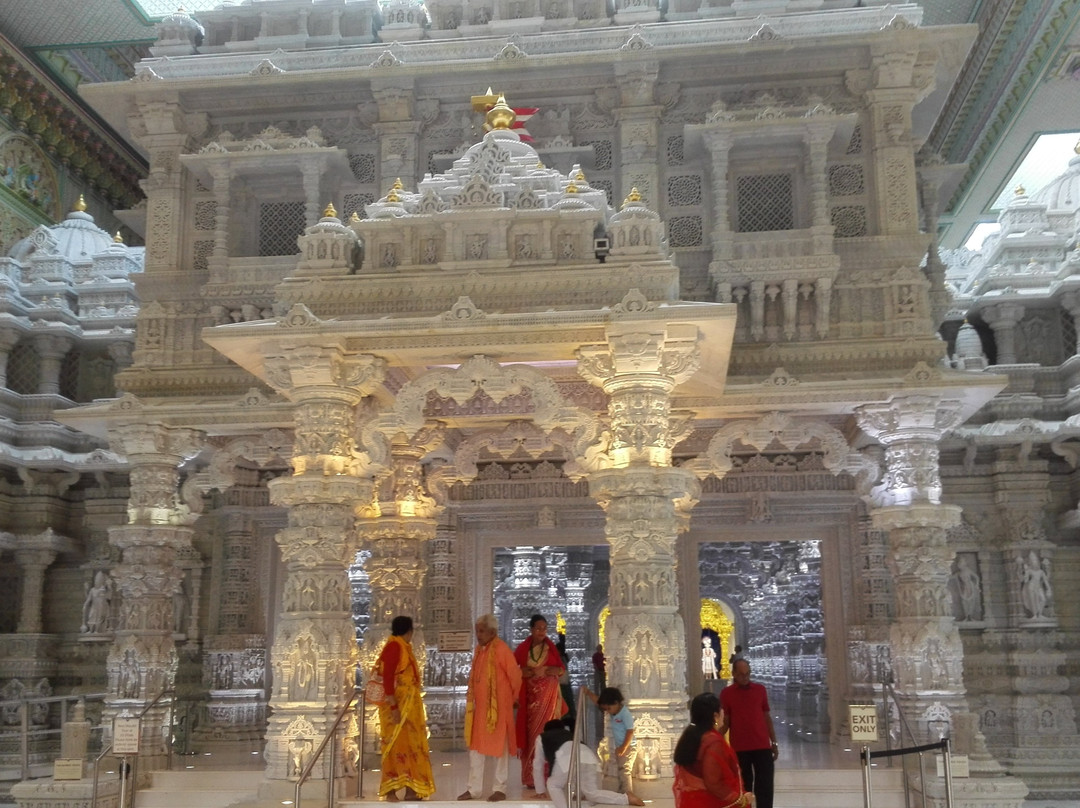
[{"x": 488, "y": 621}]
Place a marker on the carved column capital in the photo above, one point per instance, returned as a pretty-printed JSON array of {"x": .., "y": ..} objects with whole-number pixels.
[
  {"x": 313, "y": 372},
  {"x": 910, "y": 428}
]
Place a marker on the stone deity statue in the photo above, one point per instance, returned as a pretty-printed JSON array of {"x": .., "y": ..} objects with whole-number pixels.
[{"x": 97, "y": 608}]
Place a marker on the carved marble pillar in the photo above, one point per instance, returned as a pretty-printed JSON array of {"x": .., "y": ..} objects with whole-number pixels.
[
  {"x": 1003, "y": 319},
  {"x": 927, "y": 656},
  {"x": 638, "y": 122},
  {"x": 719, "y": 145},
  {"x": 892, "y": 148},
  {"x": 219, "y": 259},
  {"x": 311, "y": 174},
  {"x": 166, "y": 130},
  {"x": 142, "y": 660},
  {"x": 646, "y": 502},
  {"x": 398, "y": 130},
  {"x": 1035, "y": 723},
  {"x": 314, "y": 649},
  {"x": 33, "y": 563},
  {"x": 51, "y": 349}
]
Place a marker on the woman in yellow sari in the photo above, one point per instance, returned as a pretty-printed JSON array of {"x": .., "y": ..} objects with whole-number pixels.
[{"x": 406, "y": 760}]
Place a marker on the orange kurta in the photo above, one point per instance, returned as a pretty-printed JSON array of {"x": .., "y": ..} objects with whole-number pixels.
[{"x": 494, "y": 684}]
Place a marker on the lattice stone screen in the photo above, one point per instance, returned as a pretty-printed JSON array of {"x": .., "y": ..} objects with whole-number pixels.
[
  {"x": 23, "y": 369},
  {"x": 765, "y": 203},
  {"x": 279, "y": 225},
  {"x": 355, "y": 203},
  {"x": 363, "y": 167}
]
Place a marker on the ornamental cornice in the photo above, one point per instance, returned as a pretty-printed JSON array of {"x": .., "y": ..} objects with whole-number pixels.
[
  {"x": 583, "y": 45},
  {"x": 922, "y": 514}
]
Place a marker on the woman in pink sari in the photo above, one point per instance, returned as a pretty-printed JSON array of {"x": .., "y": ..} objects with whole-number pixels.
[
  {"x": 706, "y": 769},
  {"x": 540, "y": 700}
]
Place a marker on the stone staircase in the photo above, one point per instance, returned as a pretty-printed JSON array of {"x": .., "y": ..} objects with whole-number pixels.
[
  {"x": 795, "y": 788},
  {"x": 200, "y": 789}
]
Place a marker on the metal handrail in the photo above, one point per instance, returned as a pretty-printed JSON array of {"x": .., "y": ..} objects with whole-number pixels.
[
  {"x": 97, "y": 765},
  {"x": 330, "y": 739},
  {"x": 573, "y": 780},
  {"x": 25, "y": 733}
]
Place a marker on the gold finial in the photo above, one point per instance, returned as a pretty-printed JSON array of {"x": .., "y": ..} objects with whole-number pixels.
[
  {"x": 392, "y": 196},
  {"x": 118, "y": 239},
  {"x": 580, "y": 176},
  {"x": 540, "y": 165},
  {"x": 330, "y": 212},
  {"x": 355, "y": 217},
  {"x": 397, "y": 186},
  {"x": 482, "y": 103},
  {"x": 633, "y": 196},
  {"x": 571, "y": 188},
  {"x": 1020, "y": 190},
  {"x": 500, "y": 116},
  {"x": 80, "y": 206}
]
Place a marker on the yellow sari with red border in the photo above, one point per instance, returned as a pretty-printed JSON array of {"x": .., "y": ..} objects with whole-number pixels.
[{"x": 406, "y": 759}]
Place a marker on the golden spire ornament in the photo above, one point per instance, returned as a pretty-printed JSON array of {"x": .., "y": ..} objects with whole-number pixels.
[{"x": 330, "y": 212}]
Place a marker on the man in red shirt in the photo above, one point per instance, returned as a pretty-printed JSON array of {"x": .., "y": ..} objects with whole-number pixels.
[{"x": 746, "y": 714}]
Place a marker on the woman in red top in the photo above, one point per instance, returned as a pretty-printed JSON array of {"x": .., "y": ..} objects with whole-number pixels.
[
  {"x": 706, "y": 769},
  {"x": 540, "y": 700},
  {"x": 406, "y": 760}
]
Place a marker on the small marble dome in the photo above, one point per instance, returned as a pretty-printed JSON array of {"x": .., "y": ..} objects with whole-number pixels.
[
  {"x": 1062, "y": 192},
  {"x": 968, "y": 343},
  {"x": 76, "y": 238}
]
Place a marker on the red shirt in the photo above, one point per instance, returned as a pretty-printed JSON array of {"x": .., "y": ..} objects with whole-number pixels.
[{"x": 746, "y": 711}]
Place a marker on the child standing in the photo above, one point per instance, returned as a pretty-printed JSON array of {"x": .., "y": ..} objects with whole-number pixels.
[{"x": 610, "y": 700}]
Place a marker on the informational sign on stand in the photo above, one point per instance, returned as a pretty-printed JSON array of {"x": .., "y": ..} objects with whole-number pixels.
[
  {"x": 863, "y": 721},
  {"x": 455, "y": 641},
  {"x": 125, "y": 736}
]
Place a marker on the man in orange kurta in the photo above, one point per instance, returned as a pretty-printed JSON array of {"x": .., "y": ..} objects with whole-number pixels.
[{"x": 494, "y": 684}]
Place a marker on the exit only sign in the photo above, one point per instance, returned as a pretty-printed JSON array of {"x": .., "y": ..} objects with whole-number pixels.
[{"x": 863, "y": 722}]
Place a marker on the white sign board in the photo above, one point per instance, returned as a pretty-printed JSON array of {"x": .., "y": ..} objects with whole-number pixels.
[
  {"x": 125, "y": 735},
  {"x": 67, "y": 769},
  {"x": 863, "y": 721},
  {"x": 452, "y": 641},
  {"x": 960, "y": 767}
]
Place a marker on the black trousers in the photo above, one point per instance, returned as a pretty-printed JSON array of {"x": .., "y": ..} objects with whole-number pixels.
[{"x": 758, "y": 770}]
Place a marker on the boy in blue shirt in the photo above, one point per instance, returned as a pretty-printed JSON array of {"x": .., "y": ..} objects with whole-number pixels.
[{"x": 611, "y": 701}]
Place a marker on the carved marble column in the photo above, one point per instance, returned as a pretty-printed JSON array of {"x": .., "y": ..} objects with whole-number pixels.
[
  {"x": 222, "y": 177},
  {"x": 166, "y": 130},
  {"x": 33, "y": 563},
  {"x": 398, "y": 130},
  {"x": 926, "y": 652},
  {"x": 1036, "y": 723},
  {"x": 927, "y": 656},
  {"x": 719, "y": 145},
  {"x": 142, "y": 661},
  {"x": 51, "y": 348},
  {"x": 1003, "y": 319},
  {"x": 890, "y": 103},
  {"x": 638, "y": 120},
  {"x": 646, "y": 502},
  {"x": 314, "y": 650}
]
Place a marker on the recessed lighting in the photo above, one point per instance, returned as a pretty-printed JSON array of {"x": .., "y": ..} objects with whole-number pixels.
[
  {"x": 189, "y": 767},
  {"x": 446, "y": 765}
]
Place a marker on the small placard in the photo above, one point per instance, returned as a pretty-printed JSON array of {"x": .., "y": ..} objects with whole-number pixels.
[
  {"x": 863, "y": 722},
  {"x": 67, "y": 769},
  {"x": 452, "y": 641},
  {"x": 125, "y": 736},
  {"x": 960, "y": 767}
]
